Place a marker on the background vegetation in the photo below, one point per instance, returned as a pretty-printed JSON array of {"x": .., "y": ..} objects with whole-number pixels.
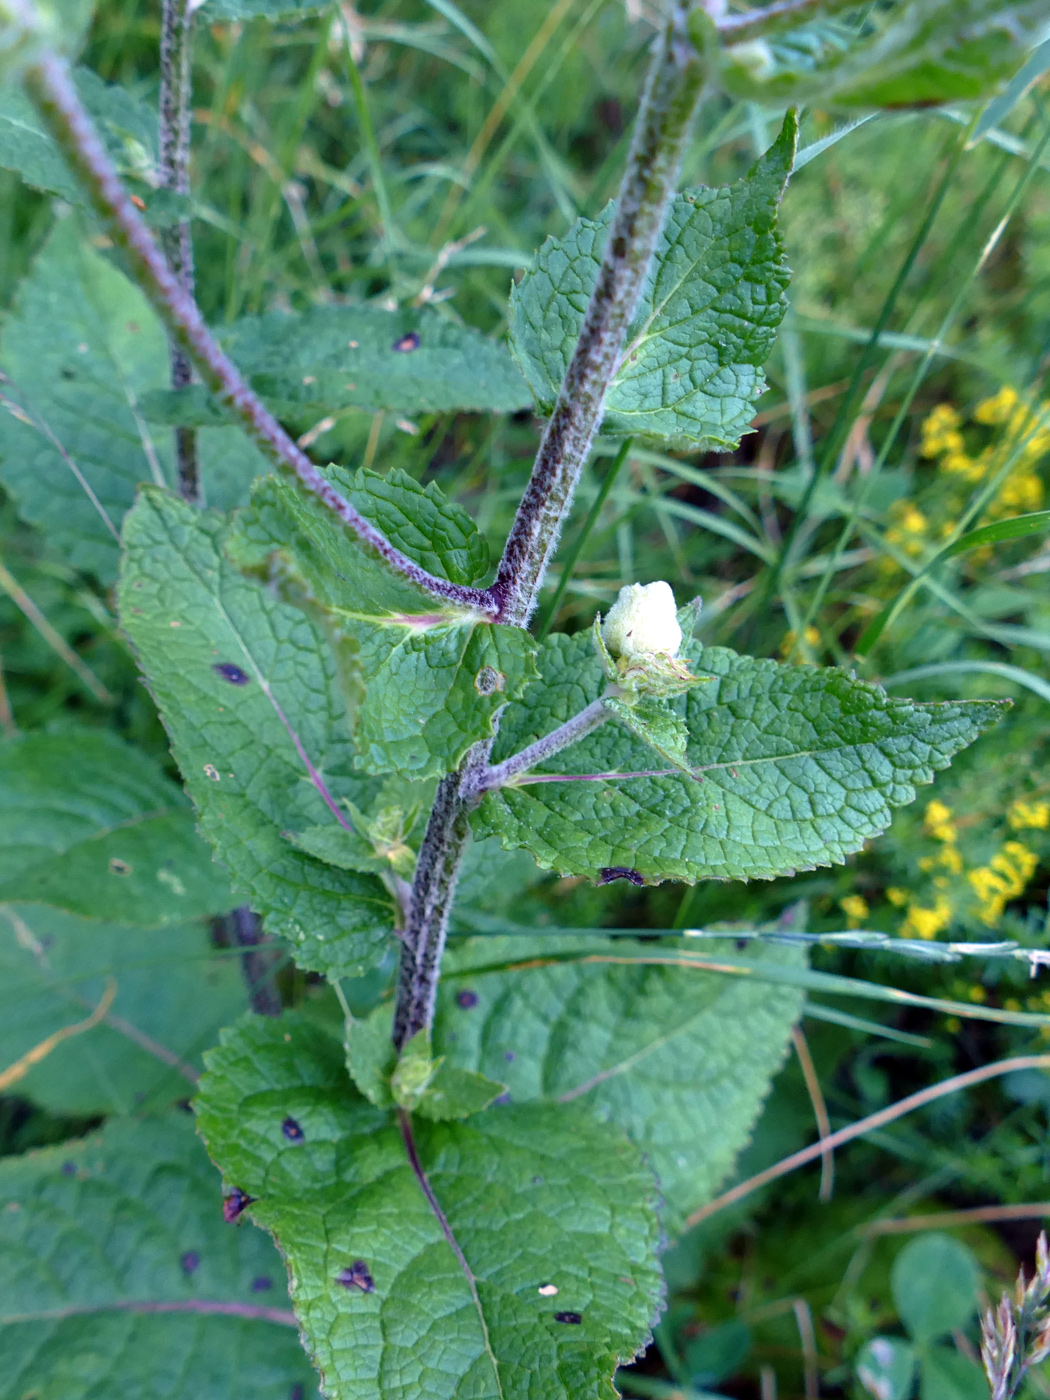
[{"x": 420, "y": 150}]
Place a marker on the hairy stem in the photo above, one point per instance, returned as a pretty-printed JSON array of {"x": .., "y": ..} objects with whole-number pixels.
[
  {"x": 176, "y": 62},
  {"x": 437, "y": 871},
  {"x": 673, "y": 89},
  {"x": 49, "y": 87},
  {"x": 568, "y": 733}
]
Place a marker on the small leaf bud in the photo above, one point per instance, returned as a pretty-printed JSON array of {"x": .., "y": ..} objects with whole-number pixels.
[{"x": 643, "y": 622}]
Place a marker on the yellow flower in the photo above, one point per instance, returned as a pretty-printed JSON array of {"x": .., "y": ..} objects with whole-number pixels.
[
  {"x": 978, "y": 993},
  {"x": 811, "y": 637},
  {"x": 957, "y": 463},
  {"x": 1002, "y": 879},
  {"x": 927, "y": 923},
  {"x": 1021, "y": 814},
  {"x": 940, "y": 431},
  {"x": 897, "y": 896},
  {"x": 998, "y": 408},
  {"x": 938, "y": 822},
  {"x": 855, "y": 907}
]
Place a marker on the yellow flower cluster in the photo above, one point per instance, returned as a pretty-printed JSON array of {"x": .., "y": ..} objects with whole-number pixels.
[
  {"x": 1034, "y": 816},
  {"x": 811, "y": 637},
  {"x": 1023, "y": 435},
  {"x": 908, "y": 530},
  {"x": 992, "y": 885},
  {"x": 855, "y": 908},
  {"x": 1002, "y": 879}
]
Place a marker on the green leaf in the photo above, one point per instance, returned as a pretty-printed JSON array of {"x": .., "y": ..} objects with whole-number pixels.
[
  {"x": 885, "y": 1367},
  {"x": 121, "y": 1280},
  {"x": 410, "y": 360},
  {"x": 796, "y": 767},
  {"x": 935, "y": 1280},
  {"x": 128, "y": 129},
  {"x": 682, "y": 1060},
  {"x": 443, "y": 1090},
  {"x": 172, "y": 994},
  {"x": 913, "y": 53},
  {"x": 692, "y": 367},
  {"x": 90, "y": 825},
  {"x": 248, "y": 694},
  {"x": 80, "y": 348},
  {"x": 531, "y": 1198},
  {"x": 424, "y": 679},
  {"x": 948, "y": 1375}
]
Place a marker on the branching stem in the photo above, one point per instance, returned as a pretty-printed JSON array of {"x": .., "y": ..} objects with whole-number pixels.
[
  {"x": 568, "y": 733},
  {"x": 176, "y": 65},
  {"x": 673, "y": 89},
  {"x": 49, "y": 86}
]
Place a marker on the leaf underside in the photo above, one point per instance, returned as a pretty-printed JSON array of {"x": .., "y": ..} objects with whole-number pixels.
[
  {"x": 249, "y": 696},
  {"x": 534, "y": 1196},
  {"x": 91, "y": 825},
  {"x": 794, "y": 767},
  {"x": 79, "y": 1321},
  {"x": 173, "y": 992},
  {"x": 692, "y": 366}
]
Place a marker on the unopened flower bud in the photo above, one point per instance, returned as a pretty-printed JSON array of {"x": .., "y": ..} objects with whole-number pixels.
[{"x": 643, "y": 622}]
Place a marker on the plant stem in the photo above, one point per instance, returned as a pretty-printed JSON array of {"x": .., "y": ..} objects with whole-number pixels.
[
  {"x": 568, "y": 733},
  {"x": 673, "y": 90},
  {"x": 437, "y": 871},
  {"x": 574, "y": 553},
  {"x": 176, "y": 63},
  {"x": 48, "y": 85}
]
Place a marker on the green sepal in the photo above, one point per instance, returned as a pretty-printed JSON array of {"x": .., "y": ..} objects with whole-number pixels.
[
  {"x": 417, "y": 1080},
  {"x": 656, "y": 724}
]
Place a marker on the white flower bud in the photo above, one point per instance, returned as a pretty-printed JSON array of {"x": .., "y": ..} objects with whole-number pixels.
[{"x": 643, "y": 622}]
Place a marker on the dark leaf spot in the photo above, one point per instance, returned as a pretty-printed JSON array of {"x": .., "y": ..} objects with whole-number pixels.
[
  {"x": 297, "y": 1392},
  {"x": 119, "y": 867},
  {"x": 740, "y": 944},
  {"x": 66, "y": 374},
  {"x": 508, "y": 1055},
  {"x": 229, "y": 672},
  {"x": 503, "y": 1098},
  {"x": 261, "y": 1284},
  {"x": 537, "y": 1181},
  {"x": 236, "y": 1202},
  {"x": 489, "y": 681},
  {"x": 619, "y": 872},
  {"x": 69, "y": 1168},
  {"x": 134, "y": 327},
  {"x": 409, "y": 341},
  {"x": 190, "y": 1261},
  {"x": 572, "y": 1317},
  {"x": 356, "y": 1276},
  {"x": 292, "y": 1130},
  {"x": 466, "y": 999}
]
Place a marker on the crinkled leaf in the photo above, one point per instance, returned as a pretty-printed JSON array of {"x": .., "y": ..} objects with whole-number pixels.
[
  {"x": 692, "y": 367},
  {"x": 410, "y": 360},
  {"x": 424, "y": 679},
  {"x": 682, "y": 1059},
  {"x": 796, "y": 767},
  {"x": 172, "y": 994},
  {"x": 128, "y": 129},
  {"x": 91, "y": 825},
  {"x": 80, "y": 348},
  {"x": 335, "y": 845},
  {"x": 121, "y": 1280},
  {"x": 913, "y": 53},
  {"x": 248, "y": 694},
  {"x": 450, "y": 1091},
  {"x": 533, "y": 1196}
]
